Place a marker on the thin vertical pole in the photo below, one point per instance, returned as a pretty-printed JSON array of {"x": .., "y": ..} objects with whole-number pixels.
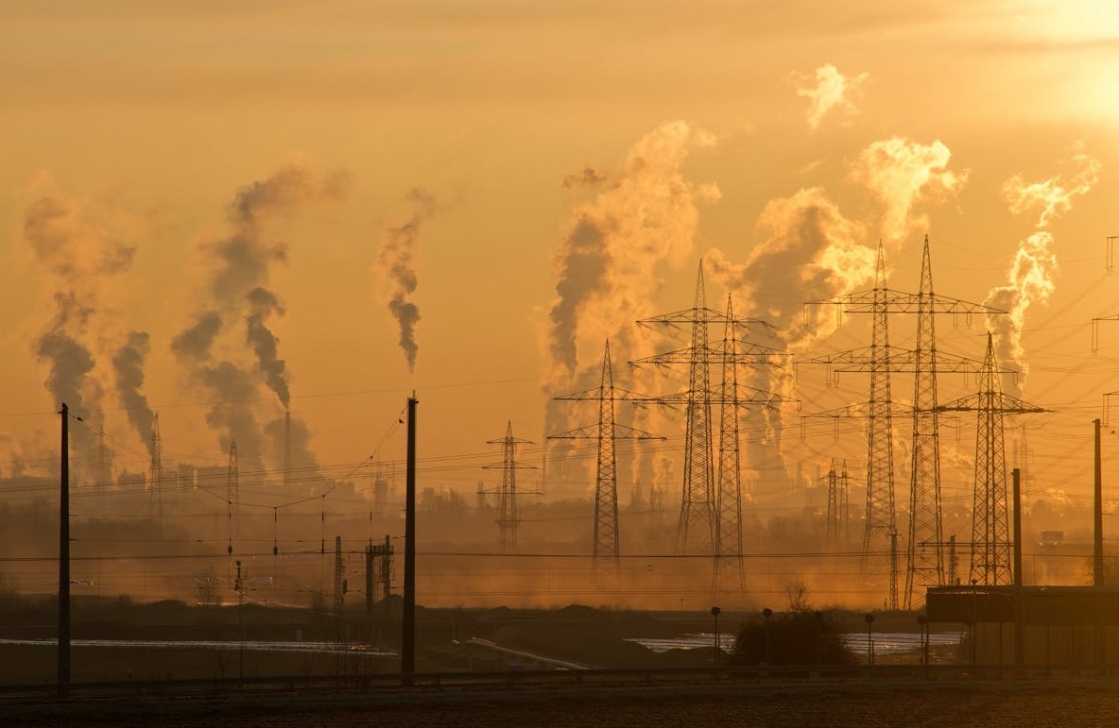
[
  {"x": 369, "y": 594},
  {"x": 1019, "y": 601},
  {"x": 64, "y": 560},
  {"x": 1097, "y": 538},
  {"x": 408, "y": 640},
  {"x": 1098, "y": 513}
]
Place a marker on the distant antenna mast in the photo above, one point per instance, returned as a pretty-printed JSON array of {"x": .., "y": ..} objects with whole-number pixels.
[
  {"x": 339, "y": 567},
  {"x": 155, "y": 500},
  {"x": 232, "y": 487},
  {"x": 287, "y": 448}
]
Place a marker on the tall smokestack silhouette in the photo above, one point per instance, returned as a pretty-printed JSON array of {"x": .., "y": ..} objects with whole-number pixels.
[{"x": 287, "y": 447}]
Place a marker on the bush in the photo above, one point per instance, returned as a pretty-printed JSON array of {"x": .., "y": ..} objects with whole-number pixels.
[{"x": 800, "y": 637}]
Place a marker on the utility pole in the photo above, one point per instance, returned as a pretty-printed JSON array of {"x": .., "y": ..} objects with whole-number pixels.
[
  {"x": 408, "y": 638},
  {"x": 1097, "y": 511},
  {"x": 64, "y": 561}
]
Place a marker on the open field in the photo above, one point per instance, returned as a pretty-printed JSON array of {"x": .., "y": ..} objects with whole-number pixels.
[{"x": 854, "y": 704}]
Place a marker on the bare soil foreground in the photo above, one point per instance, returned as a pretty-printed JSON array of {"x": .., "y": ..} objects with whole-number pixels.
[{"x": 789, "y": 704}]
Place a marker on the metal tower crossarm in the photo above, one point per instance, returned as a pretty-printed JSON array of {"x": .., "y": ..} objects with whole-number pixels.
[{"x": 903, "y": 302}]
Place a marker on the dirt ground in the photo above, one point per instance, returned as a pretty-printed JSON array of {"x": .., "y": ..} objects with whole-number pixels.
[{"x": 854, "y": 704}]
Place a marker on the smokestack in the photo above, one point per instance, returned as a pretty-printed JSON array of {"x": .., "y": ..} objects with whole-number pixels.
[{"x": 287, "y": 447}]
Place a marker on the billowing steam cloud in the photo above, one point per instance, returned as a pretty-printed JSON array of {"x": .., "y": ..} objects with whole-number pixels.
[
  {"x": 397, "y": 259},
  {"x": 831, "y": 90},
  {"x": 81, "y": 253},
  {"x": 1031, "y": 276},
  {"x": 238, "y": 292},
  {"x": 128, "y": 366},
  {"x": 812, "y": 252},
  {"x": 641, "y": 218},
  {"x": 607, "y": 264},
  {"x": 903, "y": 173}
]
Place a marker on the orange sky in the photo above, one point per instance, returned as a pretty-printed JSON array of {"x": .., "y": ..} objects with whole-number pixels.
[{"x": 720, "y": 129}]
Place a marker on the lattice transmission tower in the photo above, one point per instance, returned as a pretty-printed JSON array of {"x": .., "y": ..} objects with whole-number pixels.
[
  {"x": 508, "y": 517},
  {"x": 607, "y": 530},
  {"x": 990, "y": 526},
  {"x": 839, "y": 506},
  {"x": 699, "y": 529},
  {"x": 924, "y": 554}
]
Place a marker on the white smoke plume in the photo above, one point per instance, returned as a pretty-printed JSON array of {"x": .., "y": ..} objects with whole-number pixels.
[
  {"x": 237, "y": 291},
  {"x": 812, "y": 253},
  {"x": 397, "y": 260},
  {"x": 608, "y": 263},
  {"x": 903, "y": 174},
  {"x": 1031, "y": 278},
  {"x": 640, "y": 218},
  {"x": 830, "y": 90}
]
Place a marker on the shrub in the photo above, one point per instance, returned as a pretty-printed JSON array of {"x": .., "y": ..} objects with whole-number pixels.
[{"x": 800, "y": 637}]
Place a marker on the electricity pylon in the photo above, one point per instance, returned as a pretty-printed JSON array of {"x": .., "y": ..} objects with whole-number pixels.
[
  {"x": 607, "y": 531},
  {"x": 925, "y": 562},
  {"x": 508, "y": 517},
  {"x": 155, "y": 479},
  {"x": 696, "y": 532},
  {"x": 839, "y": 506},
  {"x": 990, "y": 525}
]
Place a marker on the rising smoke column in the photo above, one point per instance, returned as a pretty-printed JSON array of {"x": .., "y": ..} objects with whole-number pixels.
[
  {"x": 1031, "y": 276},
  {"x": 397, "y": 260},
  {"x": 812, "y": 252},
  {"x": 902, "y": 174},
  {"x": 608, "y": 266},
  {"x": 128, "y": 366},
  {"x": 237, "y": 291},
  {"x": 827, "y": 90},
  {"x": 263, "y": 303},
  {"x": 81, "y": 253}
]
